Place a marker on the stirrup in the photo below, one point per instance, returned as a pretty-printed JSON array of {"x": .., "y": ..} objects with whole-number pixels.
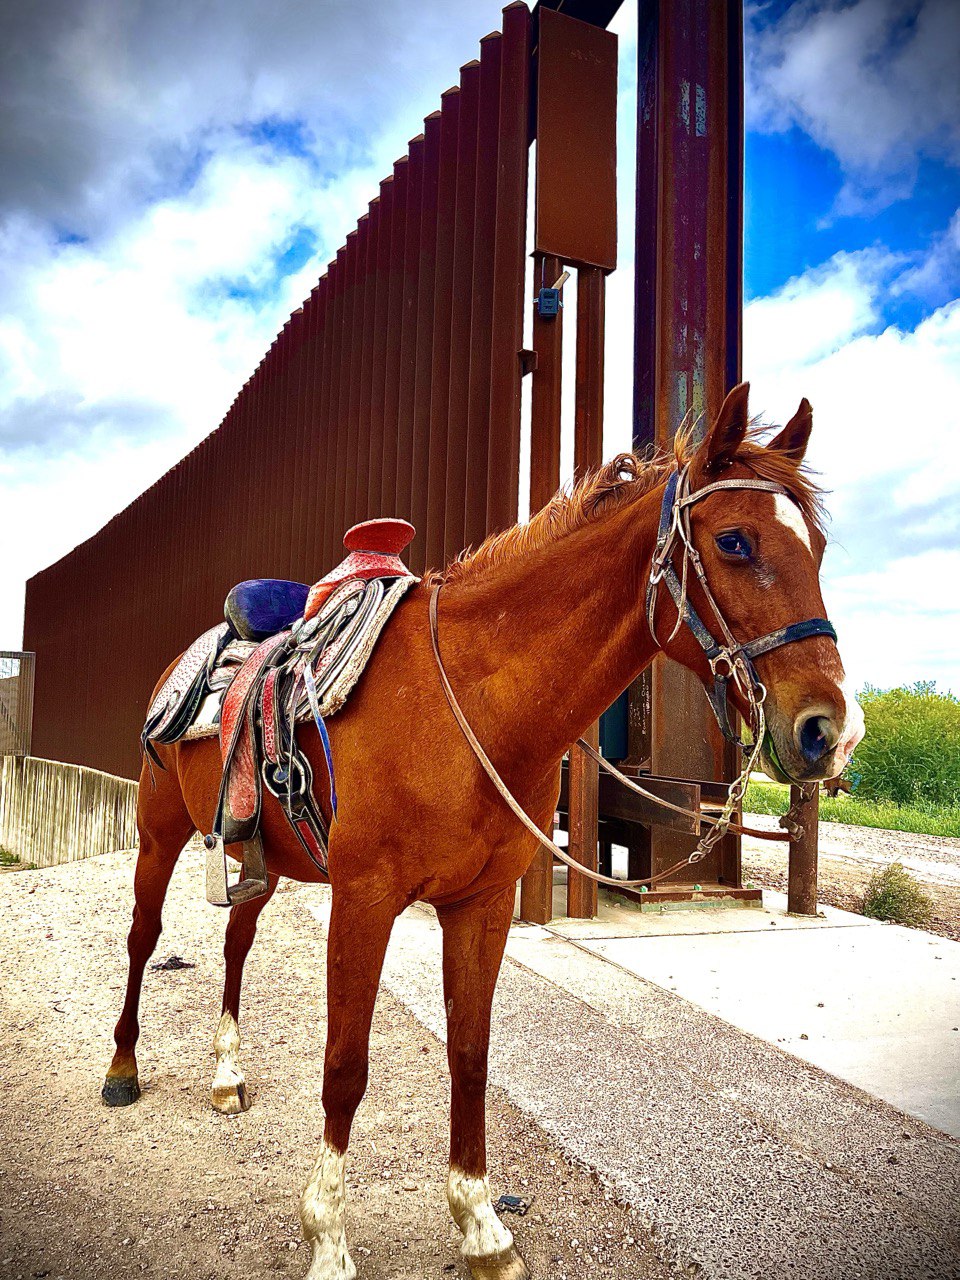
[{"x": 220, "y": 893}]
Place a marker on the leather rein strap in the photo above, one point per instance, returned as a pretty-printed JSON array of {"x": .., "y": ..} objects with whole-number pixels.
[{"x": 512, "y": 804}]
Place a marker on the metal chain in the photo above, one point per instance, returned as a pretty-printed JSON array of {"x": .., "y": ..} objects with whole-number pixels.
[
  {"x": 737, "y": 788},
  {"x": 790, "y": 821}
]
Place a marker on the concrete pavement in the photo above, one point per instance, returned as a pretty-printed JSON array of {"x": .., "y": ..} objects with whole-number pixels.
[{"x": 874, "y": 1004}]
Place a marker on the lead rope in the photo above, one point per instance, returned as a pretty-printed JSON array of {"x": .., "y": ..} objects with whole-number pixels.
[{"x": 718, "y": 826}]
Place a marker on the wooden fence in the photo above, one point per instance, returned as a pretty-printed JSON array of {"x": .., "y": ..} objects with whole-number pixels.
[
  {"x": 16, "y": 702},
  {"x": 52, "y": 813}
]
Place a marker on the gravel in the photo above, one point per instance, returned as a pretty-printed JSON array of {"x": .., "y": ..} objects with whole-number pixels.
[{"x": 168, "y": 1188}]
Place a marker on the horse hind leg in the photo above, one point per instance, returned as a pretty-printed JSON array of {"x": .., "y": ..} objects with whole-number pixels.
[
  {"x": 229, "y": 1090},
  {"x": 164, "y": 826},
  {"x": 474, "y": 936}
]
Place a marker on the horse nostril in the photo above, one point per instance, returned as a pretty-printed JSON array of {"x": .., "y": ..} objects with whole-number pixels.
[{"x": 817, "y": 737}]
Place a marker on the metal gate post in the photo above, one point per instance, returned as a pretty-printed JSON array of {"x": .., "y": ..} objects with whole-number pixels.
[
  {"x": 536, "y": 887},
  {"x": 688, "y": 323},
  {"x": 584, "y": 812},
  {"x": 802, "y": 872},
  {"x": 576, "y": 225}
]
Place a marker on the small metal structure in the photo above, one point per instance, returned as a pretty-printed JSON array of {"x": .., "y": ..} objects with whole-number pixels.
[
  {"x": 16, "y": 702},
  {"x": 396, "y": 390}
]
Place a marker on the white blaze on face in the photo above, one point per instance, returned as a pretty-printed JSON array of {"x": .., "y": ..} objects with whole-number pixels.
[
  {"x": 853, "y": 725},
  {"x": 322, "y": 1211},
  {"x": 469, "y": 1198},
  {"x": 786, "y": 512}
]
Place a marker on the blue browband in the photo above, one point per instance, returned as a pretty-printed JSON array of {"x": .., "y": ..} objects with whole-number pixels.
[{"x": 733, "y": 659}]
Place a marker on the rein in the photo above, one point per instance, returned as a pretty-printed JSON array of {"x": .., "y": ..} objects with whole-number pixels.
[{"x": 728, "y": 661}]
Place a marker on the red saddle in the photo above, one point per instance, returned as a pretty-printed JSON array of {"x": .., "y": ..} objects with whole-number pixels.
[{"x": 374, "y": 547}]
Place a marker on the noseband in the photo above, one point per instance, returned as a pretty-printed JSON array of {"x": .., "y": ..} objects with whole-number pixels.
[{"x": 733, "y": 659}]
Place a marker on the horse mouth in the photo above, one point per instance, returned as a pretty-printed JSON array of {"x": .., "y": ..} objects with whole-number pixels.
[
  {"x": 770, "y": 762},
  {"x": 773, "y": 767}
]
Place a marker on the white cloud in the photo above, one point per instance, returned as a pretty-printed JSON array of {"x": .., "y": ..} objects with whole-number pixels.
[
  {"x": 936, "y": 276},
  {"x": 887, "y": 444},
  {"x": 875, "y": 82},
  {"x": 106, "y": 103}
]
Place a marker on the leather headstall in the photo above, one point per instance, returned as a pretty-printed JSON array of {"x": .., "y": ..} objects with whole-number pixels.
[{"x": 732, "y": 660}]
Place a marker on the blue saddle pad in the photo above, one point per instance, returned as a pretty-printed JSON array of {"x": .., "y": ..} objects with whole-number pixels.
[{"x": 263, "y": 606}]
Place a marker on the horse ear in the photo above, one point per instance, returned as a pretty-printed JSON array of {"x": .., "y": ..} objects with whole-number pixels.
[
  {"x": 795, "y": 435},
  {"x": 726, "y": 435}
]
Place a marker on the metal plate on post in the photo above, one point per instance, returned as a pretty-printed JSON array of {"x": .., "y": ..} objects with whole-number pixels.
[{"x": 576, "y": 197}]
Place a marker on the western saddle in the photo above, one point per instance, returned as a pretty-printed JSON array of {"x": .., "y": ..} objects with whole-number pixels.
[{"x": 286, "y": 653}]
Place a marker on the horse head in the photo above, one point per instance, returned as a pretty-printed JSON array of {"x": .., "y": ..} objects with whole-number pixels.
[{"x": 740, "y": 550}]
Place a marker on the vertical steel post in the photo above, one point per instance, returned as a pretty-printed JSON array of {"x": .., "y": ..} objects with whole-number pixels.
[
  {"x": 588, "y": 452},
  {"x": 802, "y": 867},
  {"x": 536, "y": 887},
  {"x": 503, "y": 471},
  {"x": 688, "y": 309}
]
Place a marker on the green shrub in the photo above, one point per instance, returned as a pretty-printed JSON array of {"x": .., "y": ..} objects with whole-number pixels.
[
  {"x": 921, "y": 819},
  {"x": 910, "y": 754},
  {"x": 893, "y": 894}
]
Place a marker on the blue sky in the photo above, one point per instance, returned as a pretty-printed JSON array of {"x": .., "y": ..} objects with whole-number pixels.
[{"x": 176, "y": 178}]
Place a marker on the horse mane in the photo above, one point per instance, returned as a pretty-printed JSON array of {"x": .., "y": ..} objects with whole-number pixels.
[{"x": 616, "y": 484}]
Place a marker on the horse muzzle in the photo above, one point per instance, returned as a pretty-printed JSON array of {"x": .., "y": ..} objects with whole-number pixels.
[{"x": 816, "y": 747}]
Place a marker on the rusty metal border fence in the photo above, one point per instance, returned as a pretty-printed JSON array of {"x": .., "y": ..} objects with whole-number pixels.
[
  {"x": 396, "y": 388},
  {"x": 16, "y": 702}
]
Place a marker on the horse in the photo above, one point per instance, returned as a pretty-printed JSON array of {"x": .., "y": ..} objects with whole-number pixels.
[{"x": 538, "y": 631}]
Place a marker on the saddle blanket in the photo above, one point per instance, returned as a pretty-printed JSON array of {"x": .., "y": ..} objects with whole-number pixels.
[{"x": 355, "y": 655}]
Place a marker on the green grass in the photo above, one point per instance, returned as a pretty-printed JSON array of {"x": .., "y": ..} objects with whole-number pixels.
[
  {"x": 893, "y": 894},
  {"x": 8, "y": 859},
  {"x": 772, "y": 797},
  {"x": 911, "y": 752}
]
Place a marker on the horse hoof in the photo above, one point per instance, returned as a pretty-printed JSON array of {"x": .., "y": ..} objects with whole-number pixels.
[
  {"x": 507, "y": 1265},
  {"x": 230, "y": 1099},
  {"x": 120, "y": 1091}
]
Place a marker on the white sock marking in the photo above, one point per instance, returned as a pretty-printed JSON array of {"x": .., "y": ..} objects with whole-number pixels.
[
  {"x": 228, "y": 1077},
  {"x": 469, "y": 1200},
  {"x": 322, "y": 1212}
]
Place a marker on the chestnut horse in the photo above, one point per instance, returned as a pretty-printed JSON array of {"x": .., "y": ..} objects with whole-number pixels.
[{"x": 539, "y": 630}]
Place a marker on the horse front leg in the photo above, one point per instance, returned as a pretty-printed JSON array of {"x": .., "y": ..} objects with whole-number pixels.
[
  {"x": 474, "y": 936},
  {"x": 356, "y": 945},
  {"x": 229, "y": 1090}
]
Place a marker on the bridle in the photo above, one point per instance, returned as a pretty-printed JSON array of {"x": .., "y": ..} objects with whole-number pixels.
[{"x": 730, "y": 661}]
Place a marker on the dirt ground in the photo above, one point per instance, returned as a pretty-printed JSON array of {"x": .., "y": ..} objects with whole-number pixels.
[
  {"x": 848, "y": 857},
  {"x": 168, "y": 1188}
]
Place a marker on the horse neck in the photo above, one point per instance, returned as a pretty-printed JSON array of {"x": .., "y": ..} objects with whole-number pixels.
[{"x": 537, "y": 648}]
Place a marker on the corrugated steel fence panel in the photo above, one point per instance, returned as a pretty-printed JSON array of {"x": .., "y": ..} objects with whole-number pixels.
[{"x": 394, "y": 390}]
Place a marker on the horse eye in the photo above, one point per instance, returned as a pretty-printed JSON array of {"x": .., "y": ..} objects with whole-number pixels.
[{"x": 734, "y": 543}]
